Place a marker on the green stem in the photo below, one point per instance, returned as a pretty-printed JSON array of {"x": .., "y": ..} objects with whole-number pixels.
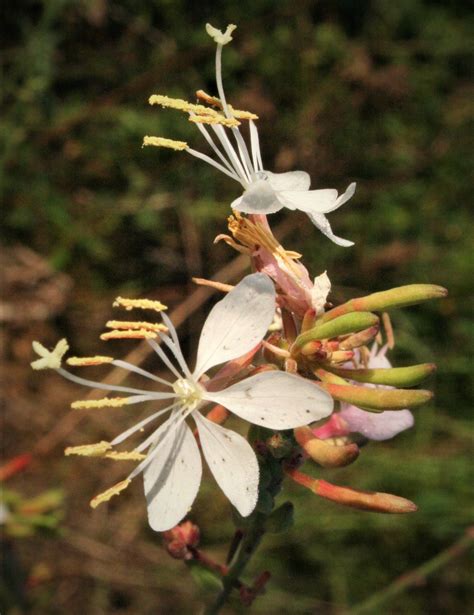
[
  {"x": 415, "y": 576},
  {"x": 249, "y": 545}
]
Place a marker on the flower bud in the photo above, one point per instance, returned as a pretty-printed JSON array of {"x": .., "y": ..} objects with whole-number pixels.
[
  {"x": 379, "y": 399},
  {"x": 364, "y": 500},
  {"x": 394, "y": 376},
  {"x": 180, "y": 540},
  {"x": 348, "y": 323},
  {"x": 388, "y": 299},
  {"x": 323, "y": 453}
]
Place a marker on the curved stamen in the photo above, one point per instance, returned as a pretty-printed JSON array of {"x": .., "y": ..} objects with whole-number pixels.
[
  {"x": 160, "y": 352},
  {"x": 110, "y": 387},
  {"x": 243, "y": 173},
  {"x": 255, "y": 146},
  {"x": 129, "y": 432},
  {"x": 175, "y": 346},
  {"x": 243, "y": 151},
  {"x": 138, "y": 370},
  {"x": 212, "y": 162},
  {"x": 209, "y": 139},
  {"x": 175, "y": 422}
]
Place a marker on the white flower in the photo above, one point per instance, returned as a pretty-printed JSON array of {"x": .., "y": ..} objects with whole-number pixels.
[
  {"x": 264, "y": 192},
  {"x": 277, "y": 400}
]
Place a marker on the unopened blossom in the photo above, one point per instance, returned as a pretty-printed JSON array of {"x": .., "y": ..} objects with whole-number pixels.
[
  {"x": 172, "y": 464},
  {"x": 372, "y": 425},
  {"x": 264, "y": 192}
]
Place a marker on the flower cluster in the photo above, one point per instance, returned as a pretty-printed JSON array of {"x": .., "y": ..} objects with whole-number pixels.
[{"x": 312, "y": 378}]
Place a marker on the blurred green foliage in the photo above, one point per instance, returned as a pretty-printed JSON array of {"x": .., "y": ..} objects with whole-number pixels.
[{"x": 376, "y": 92}]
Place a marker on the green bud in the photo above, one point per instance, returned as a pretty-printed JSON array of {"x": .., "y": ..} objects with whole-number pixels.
[
  {"x": 281, "y": 519},
  {"x": 378, "y": 399},
  {"x": 393, "y": 376},
  {"x": 388, "y": 299},
  {"x": 348, "y": 323}
]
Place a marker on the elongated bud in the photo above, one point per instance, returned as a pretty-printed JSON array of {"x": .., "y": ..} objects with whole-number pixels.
[
  {"x": 348, "y": 323},
  {"x": 325, "y": 454},
  {"x": 359, "y": 339},
  {"x": 326, "y": 376},
  {"x": 388, "y": 299},
  {"x": 377, "y": 399},
  {"x": 363, "y": 500},
  {"x": 393, "y": 376}
]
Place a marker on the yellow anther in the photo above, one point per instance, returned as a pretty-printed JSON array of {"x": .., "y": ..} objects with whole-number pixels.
[
  {"x": 125, "y": 456},
  {"x": 142, "y": 304},
  {"x": 106, "y": 495},
  {"x": 105, "y": 402},
  {"x": 148, "y": 326},
  {"x": 89, "y": 450},
  {"x": 213, "y": 100},
  {"x": 84, "y": 361},
  {"x": 161, "y": 142},
  {"x": 180, "y": 105},
  {"x": 214, "y": 119},
  {"x": 138, "y": 334}
]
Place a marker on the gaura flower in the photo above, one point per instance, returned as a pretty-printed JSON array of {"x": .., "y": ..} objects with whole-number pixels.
[
  {"x": 374, "y": 426},
  {"x": 264, "y": 192},
  {"x": 172, "y": 466}
]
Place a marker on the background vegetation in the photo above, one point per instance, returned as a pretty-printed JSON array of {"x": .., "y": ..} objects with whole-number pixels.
[{"x": 370, "y": 91}]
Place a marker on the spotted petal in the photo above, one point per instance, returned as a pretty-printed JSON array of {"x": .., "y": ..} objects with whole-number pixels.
[
  {"x": 173, "y": 477},
  {"x": 276, "y": 400},
  {"x": 232, "y": 461},
  {"x": 237, "y": 323}
]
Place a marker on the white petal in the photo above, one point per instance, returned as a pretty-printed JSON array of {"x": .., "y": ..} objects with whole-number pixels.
[
  {"x": 276, "y": 400},
  {"x": 377, "y": 426},
  {"x": 320, "y": 291},
  {"x": 232, "y": 462},
  {"x": 237, "y": 323},
  {"x": 314, "y": 201},
  {"x": 293, "y": 180},
  {"x": 344, "y": 197},
  {"x": 323, "y": 225},
  {"x": 172, "y": 479},
  {"x": 259, "y": 198}
]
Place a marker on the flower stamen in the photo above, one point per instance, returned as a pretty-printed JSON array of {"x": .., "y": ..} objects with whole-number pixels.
[{"x": 106, "y": 495}]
